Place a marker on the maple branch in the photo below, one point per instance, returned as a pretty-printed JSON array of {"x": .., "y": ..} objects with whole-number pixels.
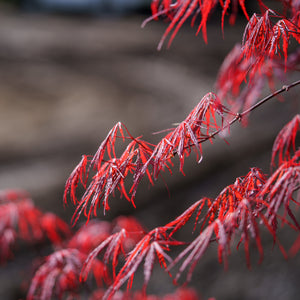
[
  {"x": 239, "y": 116},
  {"x": 284, "y": 88}
]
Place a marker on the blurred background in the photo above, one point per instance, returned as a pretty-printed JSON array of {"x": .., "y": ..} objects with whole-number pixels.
[{"x": 71, "y": 69}]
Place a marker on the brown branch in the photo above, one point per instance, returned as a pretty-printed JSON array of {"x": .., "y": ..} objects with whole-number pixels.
[
  {"x": 285, "y": 88},
  {"x": 239, "y": 116}
]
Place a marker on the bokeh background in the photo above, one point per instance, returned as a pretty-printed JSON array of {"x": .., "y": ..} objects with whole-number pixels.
[{"x": 69, "y": 73}]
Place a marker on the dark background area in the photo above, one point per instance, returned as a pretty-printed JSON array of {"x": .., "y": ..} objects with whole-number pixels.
[{"x": 66, "y": 79}]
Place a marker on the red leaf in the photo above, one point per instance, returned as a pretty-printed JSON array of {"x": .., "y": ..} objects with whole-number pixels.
[
  {"x": 180, "y": 11},
  {"x": 236, "y": 211},
  {"x": 79, "y": 173},
  {"x": 285, "y": 141},
  {"x": 129, "y": 232},
  {"x": 155, "y": 243},
  {"x": 264, "y": 40},
  {"x": 20, "y": 219},
  {"x": 194, "y": 252},
  {"x": 89, "y": 236},
  {"x": 114, "y": 247},
  {"x": 279, "y": 188},
  {"x": 204, "y": 121},
  {"x": 110, "y": 172},
  {"x": 198, "y": 126},
  {"x": 59, "y": 274}
]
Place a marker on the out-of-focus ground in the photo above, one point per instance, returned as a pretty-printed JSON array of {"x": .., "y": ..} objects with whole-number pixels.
[{"x": 66, "y": 80}]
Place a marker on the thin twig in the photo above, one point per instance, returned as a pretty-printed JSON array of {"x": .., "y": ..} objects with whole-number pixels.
[{"x": 239, "y": 116}]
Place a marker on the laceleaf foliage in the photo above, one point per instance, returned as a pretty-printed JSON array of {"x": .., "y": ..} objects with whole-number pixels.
[
  {"x": 114, "y": 251},
  {"x": 252, "y": 202},
  {"x": 21, "y": 220}
]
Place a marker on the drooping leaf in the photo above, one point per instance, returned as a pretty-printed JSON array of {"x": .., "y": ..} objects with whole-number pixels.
[
  {"x": 141, "y": 158},
  {"x": 125, "y": 232},
  {"x": 178, "y": 12},
  {"x": 110, "y": 174},
  {"x": 59, "y": 275},
  {"x": 285, "y": 141},
  {"x": 236, "y": 212},
  {"x": 21, "y": 220},
  {"x": 279, "y": 189},
  {"x": 262, "y": 40},
  {"x": 154, "y": 244}
]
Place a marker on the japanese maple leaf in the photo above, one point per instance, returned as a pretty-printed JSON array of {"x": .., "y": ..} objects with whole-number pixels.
[
  {"x": 141, "y": 158},
  {"x": 21, "y": 220},
  {"x": 279, "y": 189},
  {"x": 237, "y": 211},
  {"x": 285, "y": 141},
  {"x": 59, "y": 275},
  {"x": 110, "y": 171},
  {"x": 240, "y": 85},
  {"x": 264, "y": 40},
  {"x": 125, "y": 233},
  {"x": 154, "y": 244},
  {"x": 29, "y": 223},
  {"x": 200, "y": 125},
  {"x": 178, "y": 12}
]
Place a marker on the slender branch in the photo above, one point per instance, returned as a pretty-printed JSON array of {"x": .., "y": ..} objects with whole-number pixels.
[
  {"x": 239, "y": 116},
  {"x": 285, "y": 88}
]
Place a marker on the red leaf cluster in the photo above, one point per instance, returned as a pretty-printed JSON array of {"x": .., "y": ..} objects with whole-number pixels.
[
  {"x": 63, "y": 272},
  {"x": 179, "y": 12},
  {"x": 111, "y": 172},
  {"x": 21, "y": 220},
  {"x": 262, "y": 39},
  {"x": 285, "y": 141},
  {"x": 263, "y": 56},
  {"x": 156, "y": 243},
  {"x": 251, "y": 201},
  {"x": 234, "y": 211},
  {"x": 125, "y": 232},
  {"x": 149, "y": 247},
  {"x": 59, "y": 274},
  {"x": 141, "y": 158},
  {"x": 236, "y": 214}
]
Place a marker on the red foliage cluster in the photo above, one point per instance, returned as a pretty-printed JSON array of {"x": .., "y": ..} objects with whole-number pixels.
[
  {"x": 265, "y": 41},
  {"x": 258, "y": 59},
  {"x": 239, "y": 210},
  {"x": 285, "y": 143},
  {"x": 180, "y": 11},
  {"x": 21, "y": 220},
  {"x": 63, "y": 272},
  {"x": 59, "y": 274},
  {"x": 242, "y": 208},
  {"x": 141, "y": 158},
  {"x": 114, "y": 251}
]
